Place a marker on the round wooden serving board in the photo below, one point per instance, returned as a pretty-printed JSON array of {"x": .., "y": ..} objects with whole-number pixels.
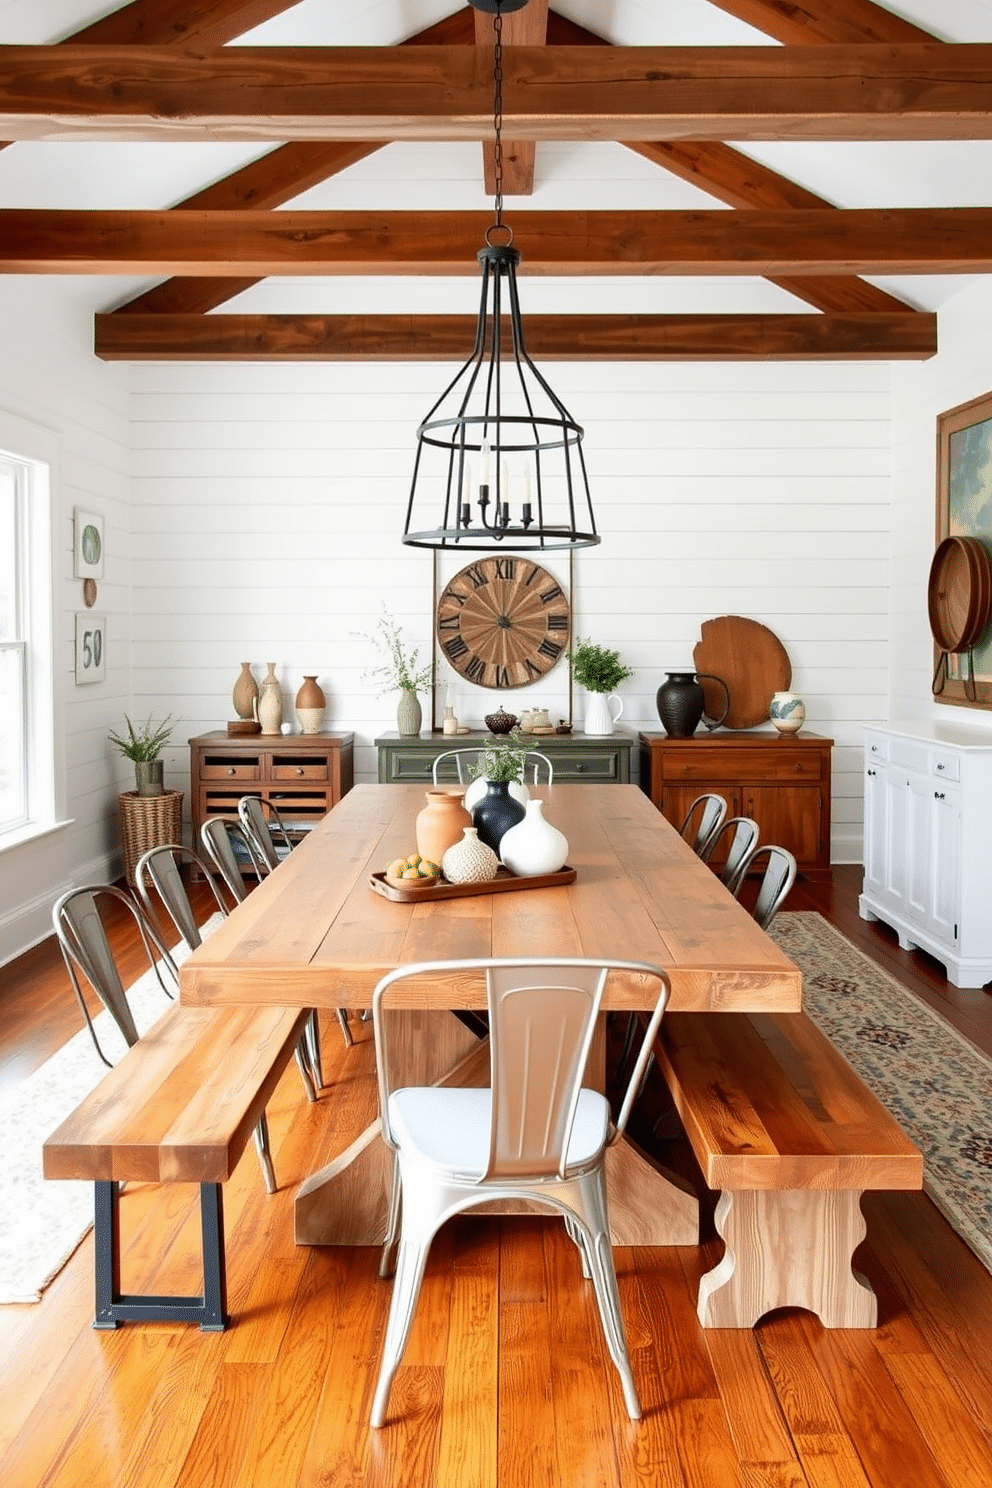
[{"x": 752, "y": 661}]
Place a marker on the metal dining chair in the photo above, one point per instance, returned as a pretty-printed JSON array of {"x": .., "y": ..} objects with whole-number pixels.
[
  {"x": 458, "y": 765},
  {"x": 158, "y": 870},
  {"x": 779, "y": 875},
  {"x": 740, "y": 836},
  {"x": 85, "y": 948},
  {"x": 229, "y": 847},
  {"x": 704, "y": 817},
  {"x": 266, "y": 831},
  {"x": 536, "y": 1133}
]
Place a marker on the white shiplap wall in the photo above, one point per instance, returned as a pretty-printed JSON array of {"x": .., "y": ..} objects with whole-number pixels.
[
  {"x": 50, "y": 381},
  {"x": 269, "y": 500}
]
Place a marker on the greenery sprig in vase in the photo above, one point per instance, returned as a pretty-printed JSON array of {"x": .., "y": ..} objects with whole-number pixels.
[
  {"x": 400, "y": 672},
  {"x": 597, "y": 668},
  {"x": 142, "y": 745}
]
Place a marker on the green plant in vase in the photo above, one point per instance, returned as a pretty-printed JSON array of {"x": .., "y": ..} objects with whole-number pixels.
[
  {"x": 600, "y": 671},
  {"x": 142, "y": 745},
  {"x": 399, "y": 672}
]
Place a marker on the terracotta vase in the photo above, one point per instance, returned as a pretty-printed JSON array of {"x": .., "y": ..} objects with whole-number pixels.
[
  {"x": 441, "y": 823},
  {"x": 245, "y": 694},
  {"x": 270, "y": 702},
  {"x": 310, "y": 705},
  {"x": 469, "y": 861},
  {"x": 534, "y": 846}
]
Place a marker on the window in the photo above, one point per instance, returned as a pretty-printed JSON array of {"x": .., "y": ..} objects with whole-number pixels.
[{"x": 27, "y": 775}]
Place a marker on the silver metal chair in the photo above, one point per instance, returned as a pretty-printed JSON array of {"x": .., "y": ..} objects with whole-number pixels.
[
  {"x": 85, "y": 947},
  {"x": 457, "y": 765},
  {"x": 229, "y": 849},
  {"x": 158, "y": 869},
  {"x": 740, "y": 833},
  {"x": 705, "y": 816},
  {"x": 778, "y": 877},
  {"x": 228, "y": 846},
  {"x": 537, "y": 1133},
  {"x": 266, "y": 831}
]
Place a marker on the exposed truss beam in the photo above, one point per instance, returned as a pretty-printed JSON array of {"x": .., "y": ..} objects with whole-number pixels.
[
  {"x": 448, "y": 338},
  {"x": 945, "y": 240},
  {"x": 178, "y": 22},
  {"x": 808, "y": 22},
  {"x": 433, "y": 93}
]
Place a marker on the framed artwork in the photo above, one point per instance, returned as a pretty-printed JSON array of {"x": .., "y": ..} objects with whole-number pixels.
[
  {"x": 87, "y": 545},
  {"x": 964, "y": 509},
  {"x": 91, "y": 647}
]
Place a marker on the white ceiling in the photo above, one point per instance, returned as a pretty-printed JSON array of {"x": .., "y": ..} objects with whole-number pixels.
[{"x": 419, "y": 176}]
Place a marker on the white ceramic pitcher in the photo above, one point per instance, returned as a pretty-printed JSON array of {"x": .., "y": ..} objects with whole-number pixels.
[{"x": 600, "y": 717}]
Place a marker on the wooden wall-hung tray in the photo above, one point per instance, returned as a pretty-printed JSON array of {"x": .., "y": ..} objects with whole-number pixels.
[
  {"x": 504, "y": 882},
  {"x": 750, "y": 659},
  {"x": 959, "y": 593}
]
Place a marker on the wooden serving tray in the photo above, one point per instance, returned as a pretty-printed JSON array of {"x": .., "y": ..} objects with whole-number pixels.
[{"x": 501, "y": 884}]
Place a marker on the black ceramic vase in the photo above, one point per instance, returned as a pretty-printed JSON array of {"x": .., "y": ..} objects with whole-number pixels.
[
  {"x": 681, "y": 702},
  {"x": 496, "y": 813}
]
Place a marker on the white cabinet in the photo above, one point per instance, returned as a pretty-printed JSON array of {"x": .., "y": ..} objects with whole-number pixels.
[{"x": 928, "y": 842}]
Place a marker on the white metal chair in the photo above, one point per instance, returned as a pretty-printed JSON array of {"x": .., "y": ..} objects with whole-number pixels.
[
  {"x": 456, "y": 764},
  {"x": 536, "y": 1133},
  {"x": 85, "y": 947},
  {"x": 705, "y": 816},
  {"x": 740, "y": 834},
  {"x": 778, "y": 877},
  {"x": 158, "y": 869}
]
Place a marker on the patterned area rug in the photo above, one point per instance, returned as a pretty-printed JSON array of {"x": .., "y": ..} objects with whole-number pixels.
[
  {"x": 43, "y": 1221},
  {"x": 935, "y": 1082}
]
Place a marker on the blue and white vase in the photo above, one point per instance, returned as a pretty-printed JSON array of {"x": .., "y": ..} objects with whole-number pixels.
[{"x": 787, "y": 712}]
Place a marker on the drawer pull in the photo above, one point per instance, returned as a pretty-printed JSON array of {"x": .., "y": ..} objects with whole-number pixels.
[
  {"x": 939, "y": 796},
  {"x": 230, "y": 770},
  {"x": 299, "y": 769},
  {"x": 580, "y": 768},
  {"x": 940, "y": 767}
]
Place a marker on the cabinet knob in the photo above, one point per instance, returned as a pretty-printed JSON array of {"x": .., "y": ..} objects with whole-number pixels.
[
  {"x": 872, "y": 772},
  {"x": 299, "y": 769},
  {"x": 939, "y": 796},
  {"x": 580, "y": 768},
  {"x": 939, "y": 768},
  {"x": 230, "y": 769}
]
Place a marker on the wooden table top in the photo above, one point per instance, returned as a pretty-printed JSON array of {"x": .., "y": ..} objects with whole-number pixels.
[{"x": 315, "y": 935}]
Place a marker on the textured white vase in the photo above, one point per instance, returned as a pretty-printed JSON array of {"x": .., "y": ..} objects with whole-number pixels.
[
  {"x": 600, "y": 717},
  {"x": 534, "y": 846},
  {"x": 469, "y": 861},
  {"x": 787, "y": 712},
  {"x": 270, "y": 702}
]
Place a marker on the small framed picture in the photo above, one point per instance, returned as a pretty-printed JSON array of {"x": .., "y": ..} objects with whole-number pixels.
[
  {"x": 91, "y": 650},
  {"x": 88, "y": 545}
]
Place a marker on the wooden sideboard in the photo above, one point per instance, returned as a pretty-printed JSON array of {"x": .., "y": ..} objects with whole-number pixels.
[
  {"x": 781, "y": 780},
  {"x": 303, "y": 775},
  {"x": 602, "y": 759}
]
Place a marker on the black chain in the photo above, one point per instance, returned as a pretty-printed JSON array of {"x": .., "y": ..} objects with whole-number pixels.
[{"x": 498, "y": 110}]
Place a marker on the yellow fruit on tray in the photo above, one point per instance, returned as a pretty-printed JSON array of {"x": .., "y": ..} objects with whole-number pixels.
[{"x": 413, "y": 867}]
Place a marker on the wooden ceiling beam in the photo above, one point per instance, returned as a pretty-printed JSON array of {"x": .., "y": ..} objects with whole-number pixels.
[
  {"x": 941, "y": 240},
  {"x": 815, "y": 22},
  {"x": 449, "y": 338},
  {"x": 527, "y": 27},
  {"x": 445, "y": 93},
  {"x": 178, "y": 22}
]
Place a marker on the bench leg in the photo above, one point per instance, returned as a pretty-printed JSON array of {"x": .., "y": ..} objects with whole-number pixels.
[
  {"x": 114, "y": 1307},
  {"x": 788, "y": 1248}
]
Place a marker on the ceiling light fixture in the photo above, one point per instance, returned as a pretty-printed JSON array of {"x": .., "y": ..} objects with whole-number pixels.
[{"x": 499, "y": 451}]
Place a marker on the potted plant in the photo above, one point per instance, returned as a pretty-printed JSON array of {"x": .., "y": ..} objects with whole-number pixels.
[
  {"x": 400, "y": 673},
  {"x": 600, "y": 671},
  {"x": 143, "y": 746}
]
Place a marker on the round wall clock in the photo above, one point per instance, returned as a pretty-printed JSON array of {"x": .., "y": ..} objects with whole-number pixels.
[{"x": 503, "y": 622}]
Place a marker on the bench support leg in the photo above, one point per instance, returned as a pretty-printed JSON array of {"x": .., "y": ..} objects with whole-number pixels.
[
  {"x": 114, "y": 1307},
  {"x": 788, "y": 1248}
]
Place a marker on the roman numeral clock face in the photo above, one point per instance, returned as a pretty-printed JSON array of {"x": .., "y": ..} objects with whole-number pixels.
[{"x": 503, "y": 622}]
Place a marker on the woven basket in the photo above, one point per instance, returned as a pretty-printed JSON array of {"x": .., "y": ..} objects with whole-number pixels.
[{"x": 148, "y": 821}]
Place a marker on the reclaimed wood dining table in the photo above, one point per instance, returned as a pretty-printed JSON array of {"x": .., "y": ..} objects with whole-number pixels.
[{"x": 315, "y": 934}]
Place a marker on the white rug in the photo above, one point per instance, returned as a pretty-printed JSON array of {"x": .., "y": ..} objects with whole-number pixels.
[{"x": 42, "y": 1221}]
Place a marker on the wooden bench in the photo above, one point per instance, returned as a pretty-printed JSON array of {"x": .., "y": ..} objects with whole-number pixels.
[
  {"x": 179, "y": 1107},
  {"x": 788, "y": 1133}
]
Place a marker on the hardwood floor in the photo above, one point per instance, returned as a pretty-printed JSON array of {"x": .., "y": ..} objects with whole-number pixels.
[{"x": 505, "y": 1380}]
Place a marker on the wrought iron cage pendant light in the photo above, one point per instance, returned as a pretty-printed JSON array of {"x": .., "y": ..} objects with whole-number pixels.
[{"x": 499, "y": 457}]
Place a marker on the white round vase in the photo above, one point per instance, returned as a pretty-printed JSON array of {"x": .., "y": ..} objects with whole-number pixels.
[
  {"x": 534, "y": 846},
  {"x": 787, "y": 712}
]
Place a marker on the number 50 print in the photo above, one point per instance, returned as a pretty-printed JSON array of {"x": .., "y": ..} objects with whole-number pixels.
[{"x": 91, "y": 633}]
